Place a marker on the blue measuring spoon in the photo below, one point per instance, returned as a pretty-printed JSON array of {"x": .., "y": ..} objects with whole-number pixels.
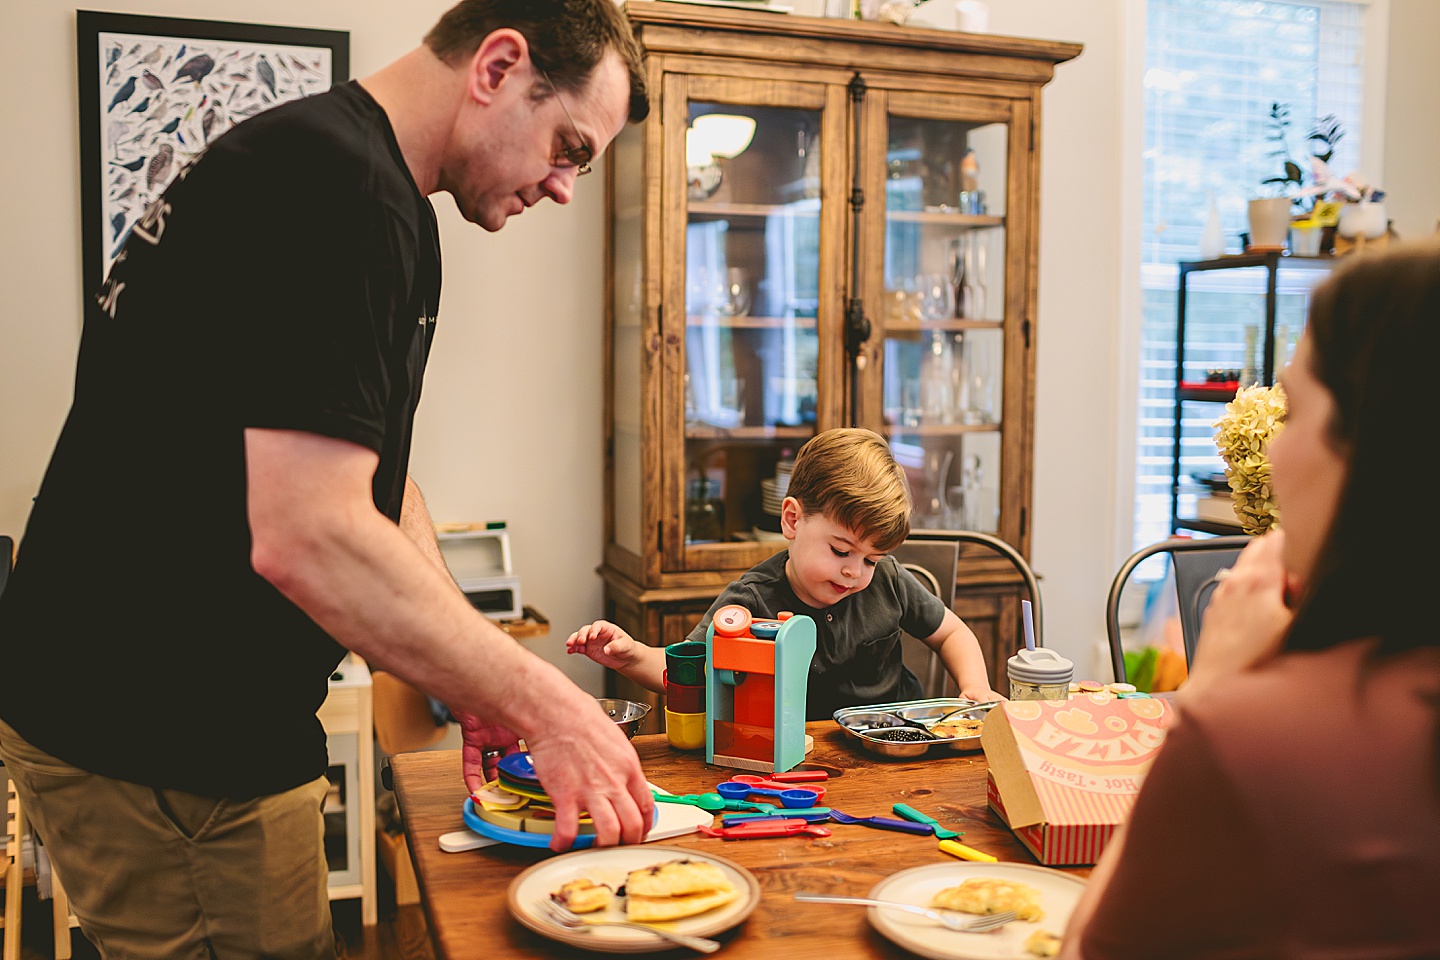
[{"x": 737, "y": 790}]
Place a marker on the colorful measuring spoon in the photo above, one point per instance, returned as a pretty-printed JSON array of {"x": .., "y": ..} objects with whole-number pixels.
[
  {"x": 759, "y": 829},
  {"x": 766, "y": 784}
]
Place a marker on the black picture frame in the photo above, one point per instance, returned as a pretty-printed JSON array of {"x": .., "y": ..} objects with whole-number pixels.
[{"x": 154, "y": 91}]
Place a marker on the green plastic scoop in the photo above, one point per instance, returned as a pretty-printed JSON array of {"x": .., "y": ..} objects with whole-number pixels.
[
  {"x": 713, "y": 801},
  {"x": 910, "y": 813}
]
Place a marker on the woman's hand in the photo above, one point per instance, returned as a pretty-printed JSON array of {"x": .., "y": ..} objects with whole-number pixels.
[{"x": 1247, "y": 617}]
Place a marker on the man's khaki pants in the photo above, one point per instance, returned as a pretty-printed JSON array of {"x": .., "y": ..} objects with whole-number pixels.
[{"x": 164, "y": 874}]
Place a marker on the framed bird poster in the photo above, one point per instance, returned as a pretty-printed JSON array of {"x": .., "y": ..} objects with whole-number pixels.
[{"x": 154, "y": 91}]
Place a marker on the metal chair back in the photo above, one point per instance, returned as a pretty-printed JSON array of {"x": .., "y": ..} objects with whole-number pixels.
[
  {"x": 944, "y": 567},
  {"x": 1196, "y": 564}
]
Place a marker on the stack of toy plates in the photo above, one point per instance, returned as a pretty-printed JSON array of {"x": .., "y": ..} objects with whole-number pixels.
[{"x": 515, "y": 808}]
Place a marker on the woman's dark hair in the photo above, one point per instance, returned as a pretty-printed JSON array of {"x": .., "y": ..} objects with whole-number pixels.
[
  {"x": 1374, "y": 332},
  {"x": 567, "y": 38}
]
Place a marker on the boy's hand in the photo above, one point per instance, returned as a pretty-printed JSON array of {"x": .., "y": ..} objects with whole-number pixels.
[
  {"x": 604, "y": 643},
  {"x": 981, "y": 694}
]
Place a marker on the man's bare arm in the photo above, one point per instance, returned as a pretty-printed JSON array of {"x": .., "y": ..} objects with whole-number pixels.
[{"x": 317, "y": 536}]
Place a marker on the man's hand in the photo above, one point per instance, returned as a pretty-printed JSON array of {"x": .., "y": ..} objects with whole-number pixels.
[
  {"x": 483, "y": 744},
  {"x": 589, "y": 765}
]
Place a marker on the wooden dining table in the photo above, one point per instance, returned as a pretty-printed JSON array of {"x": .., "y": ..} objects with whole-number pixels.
[{"x": 464, "y": 894}]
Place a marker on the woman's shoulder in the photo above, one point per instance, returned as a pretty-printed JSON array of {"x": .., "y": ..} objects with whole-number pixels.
[
  {"x": 1346, "y": 671},
  {"x": 1330, "y": 704}
]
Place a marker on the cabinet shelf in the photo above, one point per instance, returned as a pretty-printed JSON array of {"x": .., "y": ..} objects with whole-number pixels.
[
  {"x": 940, "y": 429},
  {"x": 701, "y": 210},
  {"x": 944, "y": 218},
  {"x": 750, "y": 323},
  {"x": 702, "y": 432},
  {"x": 959, "y": 323}
]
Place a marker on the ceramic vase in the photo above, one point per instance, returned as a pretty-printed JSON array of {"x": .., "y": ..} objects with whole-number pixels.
[
  {"x": 1365, "y": 219},
  {"x": 1269, "y": 223}
]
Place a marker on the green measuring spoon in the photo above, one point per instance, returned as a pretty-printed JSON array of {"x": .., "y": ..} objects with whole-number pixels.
[
  {"x": 910, "y": 813},
  {"x": 713, "y": 802}
]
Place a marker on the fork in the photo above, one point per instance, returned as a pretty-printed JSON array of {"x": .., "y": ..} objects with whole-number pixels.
[
  {"x": 984, "y": 924},
  {"x": 566, "y": 918}
]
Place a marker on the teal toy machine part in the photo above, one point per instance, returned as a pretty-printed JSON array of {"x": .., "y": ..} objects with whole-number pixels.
[{"x": 755, "y": 689}]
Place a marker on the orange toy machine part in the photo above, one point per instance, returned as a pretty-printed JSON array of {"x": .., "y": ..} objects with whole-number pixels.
[{"x": 757, "y": 678}]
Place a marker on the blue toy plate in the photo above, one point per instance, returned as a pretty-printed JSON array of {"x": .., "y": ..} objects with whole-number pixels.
[
  {"x": 519, "y": 766},
  {"x": 765, "y": 629},
  {"x": 520, "y": 838}
]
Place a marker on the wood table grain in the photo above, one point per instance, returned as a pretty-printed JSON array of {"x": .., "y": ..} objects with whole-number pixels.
[{"x": 464, "y": 893}]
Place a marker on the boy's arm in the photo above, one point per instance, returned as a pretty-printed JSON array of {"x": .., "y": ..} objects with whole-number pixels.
[
  {"x": 959, "y": 650},
  {"x": 610, "y": 646}
]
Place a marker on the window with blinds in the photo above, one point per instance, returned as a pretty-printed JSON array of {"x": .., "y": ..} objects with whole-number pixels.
[{"x": 1213, "y": 69}]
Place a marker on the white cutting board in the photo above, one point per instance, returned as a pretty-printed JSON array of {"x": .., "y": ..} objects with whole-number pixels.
[{"x": 676, "y": 819}]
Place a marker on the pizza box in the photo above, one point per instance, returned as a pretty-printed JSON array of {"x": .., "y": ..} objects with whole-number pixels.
[{"x": 1064, "y": 773}]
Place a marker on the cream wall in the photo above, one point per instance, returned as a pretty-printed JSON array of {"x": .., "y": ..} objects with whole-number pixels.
[{"x": 510, "y": 424}]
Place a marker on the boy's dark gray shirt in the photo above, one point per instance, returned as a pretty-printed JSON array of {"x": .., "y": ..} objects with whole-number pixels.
[{"x": 857, "y": 643}]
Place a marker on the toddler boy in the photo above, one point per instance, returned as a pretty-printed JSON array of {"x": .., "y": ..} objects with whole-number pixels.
[{"x": 847, "y": 507}]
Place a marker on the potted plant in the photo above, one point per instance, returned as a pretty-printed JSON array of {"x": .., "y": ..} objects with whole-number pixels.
[{"x": 1270, "y": 214}]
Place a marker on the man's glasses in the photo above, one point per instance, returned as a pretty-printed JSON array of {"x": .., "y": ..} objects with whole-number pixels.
[{"x": 577, "y": 157}]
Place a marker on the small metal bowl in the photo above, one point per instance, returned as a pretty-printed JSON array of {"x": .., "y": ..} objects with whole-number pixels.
[
  {"x": 860, "y": 722},
  {"x": 915, "y": 743},
  {"x": 626, "y": 713}
]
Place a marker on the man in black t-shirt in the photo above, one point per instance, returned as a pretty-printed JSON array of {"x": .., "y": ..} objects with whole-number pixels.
[{"x": 247, "y": 380}]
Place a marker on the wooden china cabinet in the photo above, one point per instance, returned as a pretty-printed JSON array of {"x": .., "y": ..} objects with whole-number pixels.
[{"x": 822, "y": 223}]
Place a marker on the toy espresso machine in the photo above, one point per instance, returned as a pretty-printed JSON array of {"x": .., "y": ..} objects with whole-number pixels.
[{"x": 755, "y": 689}]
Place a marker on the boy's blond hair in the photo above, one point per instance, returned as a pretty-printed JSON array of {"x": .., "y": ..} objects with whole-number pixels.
[{"x": 850, "y": 476}]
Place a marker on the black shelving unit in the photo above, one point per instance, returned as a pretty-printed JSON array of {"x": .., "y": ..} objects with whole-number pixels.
[{"x": 1272, "y": 262}]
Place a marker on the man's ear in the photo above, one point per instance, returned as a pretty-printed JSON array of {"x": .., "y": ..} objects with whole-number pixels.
[
  {"x": 790, "y": 514},
  {"x": 501, "y": 55}
]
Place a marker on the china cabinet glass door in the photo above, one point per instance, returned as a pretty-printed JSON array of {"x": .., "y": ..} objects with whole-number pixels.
[
  {"x": 939, "y": 303},
  {"x": 750, "y": 288}
]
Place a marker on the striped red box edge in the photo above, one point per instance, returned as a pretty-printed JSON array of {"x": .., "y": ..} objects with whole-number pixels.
[{"x": 1074, "y": 845}]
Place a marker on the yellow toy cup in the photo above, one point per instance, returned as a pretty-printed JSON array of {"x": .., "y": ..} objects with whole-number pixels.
[{"x": 685, "y": 731}]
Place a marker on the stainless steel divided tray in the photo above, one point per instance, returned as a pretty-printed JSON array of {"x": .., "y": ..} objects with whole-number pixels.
[{"x": 864, "y": 723}]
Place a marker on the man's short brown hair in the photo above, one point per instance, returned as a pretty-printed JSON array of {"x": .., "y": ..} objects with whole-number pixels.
[
  {"x": 567, "y": 39},
  {"x": 850, "y": 476}
]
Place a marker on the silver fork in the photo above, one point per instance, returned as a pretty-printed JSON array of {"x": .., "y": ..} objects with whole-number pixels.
[
  {"x": 983, "y": 924},
  {"x": 566, "y": 918}
]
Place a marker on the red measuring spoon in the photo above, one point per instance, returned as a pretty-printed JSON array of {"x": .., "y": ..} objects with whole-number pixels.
[
  {"x": 758, "y": 829},
  {"x": 758, "y": 781},
  {"x": 799, "y": 776}
]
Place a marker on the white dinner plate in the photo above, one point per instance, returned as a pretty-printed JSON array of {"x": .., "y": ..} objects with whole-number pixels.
[
  {"x": 611, "y": 865},
  {"x": 1059, "y": 893}
]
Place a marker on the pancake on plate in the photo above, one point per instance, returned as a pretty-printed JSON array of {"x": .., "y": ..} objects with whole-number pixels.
[
  {"x": 1043, "y": 943},
  {"x": 676, "y": 889},
  {"x": 987, "y": 895},
  {"x": 955, "y": 729},
  {"x": 584, "y": 895}
]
